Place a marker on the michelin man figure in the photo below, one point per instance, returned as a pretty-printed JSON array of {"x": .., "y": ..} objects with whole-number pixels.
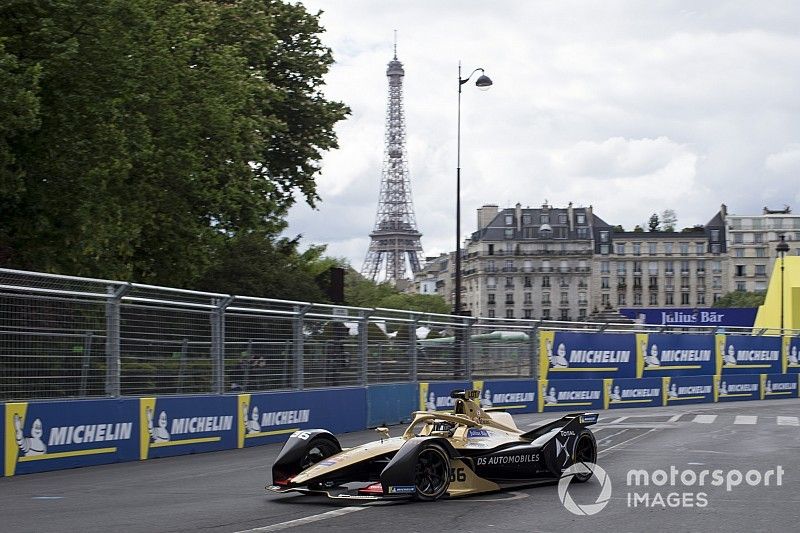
[
  {"x": 32, "y": 445},
  {"x": 487, "y": 398},
  {"x": 730, "y": 356},
  {"x": 652, "y": 358},
  {"x": 560, "y": 359},
  {"x": 673, "y": 391},
  {"x": 793, "y": 356},
  {"x": 768, "y": 388},
  {"x": 431, "y": 405},
  {"x": 723, "y": 389},
  {"x": 615, "y": 395},
  {"x": 551, "y": 397},
  {"x": 253, "y": 425},
  {"x": 160, "y": 433}
]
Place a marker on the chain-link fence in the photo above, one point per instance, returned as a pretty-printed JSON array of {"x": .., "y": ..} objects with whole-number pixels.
[{"x": 63, "y": 336}]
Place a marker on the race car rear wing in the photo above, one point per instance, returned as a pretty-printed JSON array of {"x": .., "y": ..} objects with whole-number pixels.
[{"x": 579, "y": 420}]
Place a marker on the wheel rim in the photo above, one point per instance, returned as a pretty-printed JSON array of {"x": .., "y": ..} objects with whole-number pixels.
[
  {"x": 316, "y": 453},
  {"x": 585, "y": 452},
  {"x": 431, "y": 473}
]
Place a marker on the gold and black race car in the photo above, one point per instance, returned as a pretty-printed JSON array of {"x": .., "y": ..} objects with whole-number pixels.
[{"x": 467, "y": 451}]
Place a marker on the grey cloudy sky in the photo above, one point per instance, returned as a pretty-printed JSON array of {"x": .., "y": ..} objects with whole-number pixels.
[{"x": 632, "y": 107}]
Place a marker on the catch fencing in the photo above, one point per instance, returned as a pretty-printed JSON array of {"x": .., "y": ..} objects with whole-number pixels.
[{"x": 69, "y": 337}]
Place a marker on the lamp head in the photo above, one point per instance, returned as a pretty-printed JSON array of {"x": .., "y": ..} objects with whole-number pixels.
[
  {"x": 483, "y": 82},
  {"x": 782, "y": 247}
]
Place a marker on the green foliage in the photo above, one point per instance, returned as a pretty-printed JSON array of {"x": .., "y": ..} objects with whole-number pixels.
[
  {"x": 617, "y": 229},
  {"x": 669, "y": 220},
  {"x": 638, "y": 229},
  {"x": 741, "y": 299},
  {"x": 361, "y": 292},
  {"x": 425, "y": 303},
  {"x": 142, "y": 139},
  {"x": 654, "y": 223}
]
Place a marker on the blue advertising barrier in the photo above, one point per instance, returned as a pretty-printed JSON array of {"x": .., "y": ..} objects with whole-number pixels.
[
  {"x": 435, "y": 395},
  {"x": 705, "y": 316},
  {"x": 567, "y": 355},
  {"x": 570, "y": 394},
  {"x": 41, "y": 436},
  {"x": 667, "y": 354},
  {"x": 739, "y": 354},
  {"x": 679, "y": 390},
  {"x": 632, "y": 392},
  {"x": 791, "y": 347},
  {"x": 391, "y": 404},
  {"x": 180, "y": 425},
  {"x": 735, "y": 387},
  {"x": 270, "y": 417},
  {"x": 517, "y": 396},
  {"x": 777, "y": 386}
]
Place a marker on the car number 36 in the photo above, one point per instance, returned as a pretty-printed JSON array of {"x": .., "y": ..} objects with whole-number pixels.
[
  {"x": 302, "y": 435},
  {"x": 457, "y": 474}
]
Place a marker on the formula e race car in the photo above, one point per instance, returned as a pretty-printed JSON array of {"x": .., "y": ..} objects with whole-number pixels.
[{"x": 467, "y": 451}]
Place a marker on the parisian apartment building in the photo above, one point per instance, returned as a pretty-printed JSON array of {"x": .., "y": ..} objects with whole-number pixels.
[{"x": 567, "y": 263}]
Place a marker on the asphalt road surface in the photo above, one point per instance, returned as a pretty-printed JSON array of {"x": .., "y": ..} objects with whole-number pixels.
[{"x": 223, "y": 491}]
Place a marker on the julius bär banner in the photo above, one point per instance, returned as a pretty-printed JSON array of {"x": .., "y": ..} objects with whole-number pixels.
[
  {"x": 570, "y": 394},
  {"x": 567, "y": 355},
  {"x": 670, "y": 354},
  {"x": 632, "y": 392},
  {"x": 679, "y": 390},
  {"x": 517, "y": 396},
  {"x": 744, "y": 354}
]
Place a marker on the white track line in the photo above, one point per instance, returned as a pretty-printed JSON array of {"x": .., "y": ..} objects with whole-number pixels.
[
  {"x": 788, "y": 421},
  {"x": 620, "y": 419},
  {"x": 675, "y": 418},
  {"x": 704, "y": 419},
  {"x": 307, "y": 520},
  {"x": 745, "y": 419}
]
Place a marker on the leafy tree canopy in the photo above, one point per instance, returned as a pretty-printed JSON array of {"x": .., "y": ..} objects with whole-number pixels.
[{"x": 741, "y": 299}]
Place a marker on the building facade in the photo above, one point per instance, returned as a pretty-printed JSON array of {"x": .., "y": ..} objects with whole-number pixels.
[{"x": 752, "y": 240}]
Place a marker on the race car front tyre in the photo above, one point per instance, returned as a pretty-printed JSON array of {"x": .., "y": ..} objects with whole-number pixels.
[
  {"x": 432, "y": 473},
  {"x": 318, "y": 448},
  {"x": 585, "y": 453}
]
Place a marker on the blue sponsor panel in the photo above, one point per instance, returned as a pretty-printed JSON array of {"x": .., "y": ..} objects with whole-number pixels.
[
  {"x": 566, "y": 355},
  {"x": 570, "y": 394},
  {"x": 679, "y": 390},
  {"x": 435, "y": 395},
  {"x": 171, "y": 426},
  {"x": 391, "y": 403},
  {"x": 777, "y": 386},
  {"x": 685, "y": 354},
  {"x": 632, "y": 392},
  {"x": 516, "y": 396},
  {"x": 744, "y": 354},
  {"x": 792, "y": 350},
  {"x": 735, "y": 387},
  {"x": 707, "y": 316},
  {"x": 272, "y": 417},
  {"x": 42, "y": 436}
]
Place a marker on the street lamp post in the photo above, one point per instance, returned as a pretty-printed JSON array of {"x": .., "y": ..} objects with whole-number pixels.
[
  {"x": 483, "y": 82},
  {"x": 782, "y": 248}
]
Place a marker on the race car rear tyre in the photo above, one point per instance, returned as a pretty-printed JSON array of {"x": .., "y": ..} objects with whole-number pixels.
[
  {"x": 585, "y": 452},
  {"x": 431, "y": 473},
  {"x": 317, "y": 449}
]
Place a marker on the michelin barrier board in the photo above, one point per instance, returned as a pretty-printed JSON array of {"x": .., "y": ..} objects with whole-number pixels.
[
  {"x": 736, "y": 387},
  {"x": 272, "y": 417},
  {"x": 791, "y": 347},
  {"x": 570, "y": 394},
  {"x": 567, "y": 355},
  {"x": 435, "y": 396},
  {"x": 632, "y": 392},
  {"x": 777, "y": 386},
  {"x": 42, "y": 436},
  {"x": 518, "y": 396},
  {"x": 680, "y": 390},
  {"x": 391, "y": 403},
  {"x": 666, "y": 354},
  {"x": 738, "y": 354}
]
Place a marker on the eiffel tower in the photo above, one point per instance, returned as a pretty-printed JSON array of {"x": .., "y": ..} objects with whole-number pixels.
[{"x": 395, "y": 236}]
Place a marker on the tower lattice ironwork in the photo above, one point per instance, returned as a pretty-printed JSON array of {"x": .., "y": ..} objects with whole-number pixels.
[{"x": 395, "y": 241}]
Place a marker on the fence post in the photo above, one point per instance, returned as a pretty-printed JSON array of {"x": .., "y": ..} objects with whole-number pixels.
[
  {"x": 182, "y": 364},
  {"x": 467, "y": 348},
  {"x": 115, "y": 294},
  {"x": 412, "y": 348},
  {"x": 218, "y": 344},
  {"x": 534, "y": 372},
  {"x": 297, "y": 341},
  {"x": 85, "y": 361},
  {"x": 363, "y": 344}
]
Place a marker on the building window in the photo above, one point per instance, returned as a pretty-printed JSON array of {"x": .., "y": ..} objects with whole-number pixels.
[
  {"x": 544, "y": 219},
  {"x": 491, "y": 313},
  {"x": 562, "y": 219},
  {"x": 508, "y": 233},
  {"x": 685, "y": 298},
  {"x": 509, "y": 313},
  {"x": 669, "y": 267},
  {"x": 670, "y": 299},
  {"x": 700, "y": 248},
  {"x": 581, "y": 218},
  {"x": 526, "y": 219},
  {"x": 738, "y": 252},
  {"x": 545, "y": 281},
  {"x": 717, "y": 296},
  {"x": 701, "y": 265},
  {"x": 653, "y": 268},
  {"x": 716, "y": 267},
  {"x": 716, "y": 282},
  {"x": 740, "y": 270},
  {"x": 761, "y": 286},
  {"x": 637, "y": 298},
  {"x": 605, "y": 300},
  {"x": 684, "y": 267},
  {"x": 491, "y": 282},
  {"x": 684, "y": 283},
  {"x": 582, "y": 298},
  {"x": 621, "y": 268},
  {"x": 526, "y": 313},
  {"x": 637, "y": 283},
  {"x": 527, "y": 282},
  {"x": 621, "y": 298},
  {"x": 620, "y": 248},
  {"x": 491, "y": 249},
  {"x": 603, "y": 249},
  {"x": 714, "y": 235},
  {"x": 667, "y": 248},
  {"x": 490, "y": 297},
  {"x": 564, "y": 298},
  {"x": 509, "y": 220},
  {"x": 565, "y": 314},
  {"x": 527, "y": 298},
  {"x": 545, "y": 314},
  {"x": 738, "y": 238},
  {"x": 684, "y": 248},
  {"x": 637, "y": 248},
  {"x": 761, "y": 252},
  {"x": 604, "y": 267},
  {"x": 741, "y": 286},
  {"x": 604, "y": 236},
  {"x": 509, "y": 298},
  {"x": 701, "y": 298},
  {"x": 545, "y": 298},
  {"x": 758, "y": 238},
  {"x": 581, "y": 314},
  {"x": 651, "y": 248},
  {"x": 637, "y": 267},
  {"x": 653, "y": 285},
  {"x": 604, "y": 284},
  {"x": 716, "y": 249},
  {"x": 509, "y": 282},
  {"x": 653, "y": 298},
  {"x": 761, "y": 270},
  {"x": 583, "y": 233},
  {"x": 509, "y": 265}
]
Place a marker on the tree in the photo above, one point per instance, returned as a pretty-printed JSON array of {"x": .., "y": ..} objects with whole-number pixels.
[
  {"x": 148, "y": 135},
  {"x": 362, "y": 292},
  {"x": 638, "y": 229},
  {"x": 668, "y": 220},
  {"x": 654, "y": 223},
  {"x": 617, "y": 229},
  {"x": 741, "y": 299}
]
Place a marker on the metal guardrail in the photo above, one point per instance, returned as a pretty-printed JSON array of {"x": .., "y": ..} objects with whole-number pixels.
[{"x": 63, "y": 336}]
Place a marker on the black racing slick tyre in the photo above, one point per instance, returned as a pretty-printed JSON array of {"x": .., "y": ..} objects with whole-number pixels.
[
  {"x": 585, "y": 452},
  {"x": 431, "y": 473},
  {"x": 317, "y": 449}
]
